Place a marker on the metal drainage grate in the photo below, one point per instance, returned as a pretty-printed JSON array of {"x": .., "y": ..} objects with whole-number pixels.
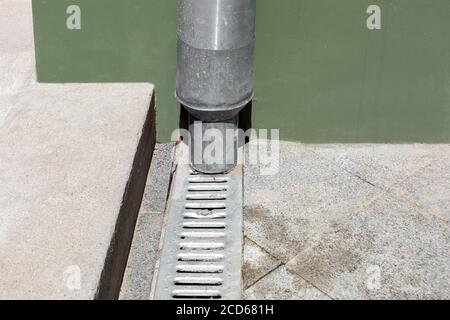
[{"x": 202, "y": 251}]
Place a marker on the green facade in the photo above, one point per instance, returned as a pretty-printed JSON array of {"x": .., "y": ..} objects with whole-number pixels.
[{"x": 321, "y": 74}]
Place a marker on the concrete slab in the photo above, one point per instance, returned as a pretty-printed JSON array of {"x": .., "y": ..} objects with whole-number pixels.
[
  {"x": 138, "y": 276},
  {"x": 281, "y": 284},
  {"x": 288, "y": 212},
  {"x": 257, "y": 263},
  {"x": 17, "y": 60},
  {"x": 71, "y": 160},
  {"x": 386, "y": 251},
  {"x": 16, "y": 32}
]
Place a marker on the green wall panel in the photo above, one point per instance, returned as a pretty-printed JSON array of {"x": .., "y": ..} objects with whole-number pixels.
[{"x": 321, "y": 75}]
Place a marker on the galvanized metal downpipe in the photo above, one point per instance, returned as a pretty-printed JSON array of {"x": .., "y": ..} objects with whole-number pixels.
[{"x": 216, "y": 42}]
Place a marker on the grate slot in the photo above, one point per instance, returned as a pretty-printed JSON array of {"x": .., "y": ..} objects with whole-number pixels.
[
  {"x": 202, "y": 235},
  {"x": 207, "y": 187},
  {"x": 200, "y": 269},
  {"x": 206, "y": 205},
  {"x": 196, "y": 294},
  {"x": 208, "y": 179},
  {"x": 206, "y": 214},
  {"x": 202, "y": 245},
  {"x": 198, "y": 281},
  {"x": 206, "y": 196},
  {"x": 204, "y": 225},
  {"x": 200, "y": 257}
]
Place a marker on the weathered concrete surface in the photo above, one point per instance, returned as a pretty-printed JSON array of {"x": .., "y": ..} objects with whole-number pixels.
[
  {"x": 388, "y": 250},
  {"x": 281, "y": 284},
  {"x": 352, "y": 222},
  {"x": 144, "y": 249},
  {"x": 380, "y": 165},
  {"x": 287, "y": 212},
  {"x": 430, "y": 188},
  {"x": 68, "y": 185},
  {"x": 73, "y": 162},
  {"x": 257, "y": 263}
]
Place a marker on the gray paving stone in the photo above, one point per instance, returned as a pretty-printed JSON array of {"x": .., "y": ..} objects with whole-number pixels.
[
  {"x": 430, "y": 188},
  {"x": 138, "y": 276},
  {"x": 257, "y": 263},
  {"x": 381, "y": 165},
  {"x": 283, "y": 285},
  {"x": 155, "y": 195},
  {"x": 287, "y": 212},
  {"x": 386, "y": 251}
]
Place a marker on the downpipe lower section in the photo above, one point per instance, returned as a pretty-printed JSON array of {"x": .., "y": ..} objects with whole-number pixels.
[
  {"x": 214, "y": 145},
  {"x": 215, "y": 58}
]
